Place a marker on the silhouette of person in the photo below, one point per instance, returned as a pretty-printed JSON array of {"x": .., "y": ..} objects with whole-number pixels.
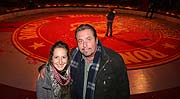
[
  {"x": 110, "y": 17},
  {"x": 151, "y": 9}
]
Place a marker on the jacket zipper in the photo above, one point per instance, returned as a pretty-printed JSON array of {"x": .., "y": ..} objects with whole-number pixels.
[{"x": 102, "y": 68}]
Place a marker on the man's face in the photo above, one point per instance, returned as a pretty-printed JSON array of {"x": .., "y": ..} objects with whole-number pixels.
[{"x": 87, "y": 43}]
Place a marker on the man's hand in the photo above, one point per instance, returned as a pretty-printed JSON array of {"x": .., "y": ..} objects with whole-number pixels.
[{"x": 42, "y": 71}]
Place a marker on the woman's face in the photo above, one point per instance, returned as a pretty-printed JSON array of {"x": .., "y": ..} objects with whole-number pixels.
[{"x": 60, "y": 58}]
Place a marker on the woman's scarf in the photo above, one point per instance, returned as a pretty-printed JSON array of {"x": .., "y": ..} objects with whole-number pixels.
[
  {"x": 63, "y": 80},
  {"x": 77, "y": 70},
  {"x": 56, "y": 80}
]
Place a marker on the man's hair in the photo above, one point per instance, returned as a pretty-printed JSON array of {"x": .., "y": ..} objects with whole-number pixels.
[{"x": 83, "y": 27}]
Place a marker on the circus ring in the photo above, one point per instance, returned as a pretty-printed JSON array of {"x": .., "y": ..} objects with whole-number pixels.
[{"x": 142, "y": 43}]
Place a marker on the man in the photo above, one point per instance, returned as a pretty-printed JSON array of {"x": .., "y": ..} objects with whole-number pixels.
[
  {"x": 96, "y": 71},
  {"x": 151, "y": 9},
  {"x": 110, "y": 17}
]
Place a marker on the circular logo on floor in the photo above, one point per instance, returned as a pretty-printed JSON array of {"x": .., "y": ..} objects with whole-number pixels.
[{"x": 141, "y": 42}]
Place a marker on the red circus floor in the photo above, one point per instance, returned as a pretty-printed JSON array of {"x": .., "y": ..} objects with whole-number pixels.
[{"x": 150, "y": 49}]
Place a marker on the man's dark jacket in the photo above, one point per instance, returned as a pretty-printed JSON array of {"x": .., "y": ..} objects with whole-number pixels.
[{"x": 111, "y": 80}]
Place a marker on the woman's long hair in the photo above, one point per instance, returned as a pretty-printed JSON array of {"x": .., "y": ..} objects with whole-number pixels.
[{"x": 59, "y": 44}]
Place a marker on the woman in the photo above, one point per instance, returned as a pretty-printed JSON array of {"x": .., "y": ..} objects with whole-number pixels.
[{"x": 55, "y": 83}]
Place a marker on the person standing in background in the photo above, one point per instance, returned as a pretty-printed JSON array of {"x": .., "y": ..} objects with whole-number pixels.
[
  {"x": 110, "y": 17},
  {"x": 151, "y": 8}
]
